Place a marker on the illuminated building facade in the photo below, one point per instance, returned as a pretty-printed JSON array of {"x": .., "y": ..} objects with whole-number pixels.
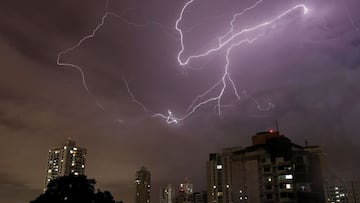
[
  {"x": 185, "y": 193},
  {"x": 65, "y": 160},
  {"x": 167, "y": 194},
  {"x": 142, "y": 186},
  {"x": 340, "y": 191},
  {"x": 271, "y": 170},
  {"x": 336, "y": 193}
]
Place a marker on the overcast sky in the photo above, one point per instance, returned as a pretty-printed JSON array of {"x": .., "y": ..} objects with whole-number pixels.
[{"x": 306, "y": 66}]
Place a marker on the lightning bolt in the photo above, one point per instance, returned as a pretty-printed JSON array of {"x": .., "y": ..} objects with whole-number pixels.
[
  {"x": 81, "y": 70},
  {"x": 228, "y": 41},
  {"x": 133, "y": 99},
  {"x": 352, "y": 21}
]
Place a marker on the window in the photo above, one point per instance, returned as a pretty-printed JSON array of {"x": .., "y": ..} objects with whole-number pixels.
[
  {"x": 289, "y": 177},
  {"x": 288, "y": 186},
  {"x": 269, "y": 196}
]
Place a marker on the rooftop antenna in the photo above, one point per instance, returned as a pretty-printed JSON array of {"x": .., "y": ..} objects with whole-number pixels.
[{"x": 277, "y": 126}]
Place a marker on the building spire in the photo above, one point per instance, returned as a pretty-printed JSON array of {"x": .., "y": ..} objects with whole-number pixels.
[{"x": 277, "y": 126}]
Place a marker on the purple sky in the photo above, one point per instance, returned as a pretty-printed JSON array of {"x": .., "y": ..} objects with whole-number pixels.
[{"x": 308, "y": 66}]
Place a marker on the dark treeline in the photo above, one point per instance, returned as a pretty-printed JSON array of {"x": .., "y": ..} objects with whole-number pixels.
[{"x": 74, "y": 189}]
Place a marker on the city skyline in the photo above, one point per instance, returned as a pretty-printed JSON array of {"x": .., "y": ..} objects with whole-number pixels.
[
  {"x": 272, "y": 168},
  {"x": 236, "y": 165},
  {"x": 303, "y": 70}
]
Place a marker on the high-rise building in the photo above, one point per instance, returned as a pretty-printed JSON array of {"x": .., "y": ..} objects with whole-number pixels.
[
  {"x": 142, "y": 186},
  {"x": 272, "y": 169},
  {"x": 353, "y": 190},
  {"x": 200, "y": 197},
  {"x": 335, "y": 189},
  {"x": 186, "y": 187},
  {"x": 167, "y": 194},
  {"x": 185, "y": 193},
  {"x": 65, "y": 160}
]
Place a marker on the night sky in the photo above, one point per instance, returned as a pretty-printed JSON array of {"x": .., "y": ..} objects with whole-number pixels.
[{"x": 306, "y": 65}]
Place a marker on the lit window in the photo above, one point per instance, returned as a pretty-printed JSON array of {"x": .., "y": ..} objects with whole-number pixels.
[
  {"x": 49, "y": 171},
  {"x": 214, "y": 186},
  {"x": 76, "y": 173},
  {"x": 269, "y": 179},
  {"x": 227, "y": 186},
  {"x": 288, "y": 186},
  {"x": 75, "y": 148},
  {"x": 219, "y": 167},
  {"x": 82, "y": 166},
  {"x": 289, "y": 177},
  {"x": 65, "y": 147},
  {"x": 241, "y": 198}
]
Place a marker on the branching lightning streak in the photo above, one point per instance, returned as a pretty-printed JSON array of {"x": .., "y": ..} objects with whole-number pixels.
[
  {"x": 92, "y": 35},
  {"x": 231, "y": 31},
  {"x": 227, "y": 40},
  {"x": 132, "y": 95},
  {"x": 352, "y": 22},
  {"x": 230, "y": 39}
]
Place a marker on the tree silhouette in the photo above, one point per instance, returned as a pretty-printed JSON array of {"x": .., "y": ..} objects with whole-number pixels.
[{"x": 73, "y": 189}]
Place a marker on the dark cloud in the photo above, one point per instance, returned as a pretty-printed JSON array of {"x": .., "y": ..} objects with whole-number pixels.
[{"x": 11, "y": 189}]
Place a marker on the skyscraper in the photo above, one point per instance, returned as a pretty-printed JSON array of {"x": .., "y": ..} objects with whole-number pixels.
[
  {"x": 273, "y": 169},
  {"x": 185, "y": 193},
  {"x": 353, "y": 190},
  {"x": 142, "y": 186},
  {"x": 167, "y": 194},
  {"x": 65, "y": 160}
]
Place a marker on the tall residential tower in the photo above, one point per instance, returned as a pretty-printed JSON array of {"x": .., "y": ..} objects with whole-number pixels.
[
  {"x": 272, "y": 170},
  {"x": 65, "y": 160},
  {"x": 167, "y": 194},
  {"x": 142, "y": 186}
]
